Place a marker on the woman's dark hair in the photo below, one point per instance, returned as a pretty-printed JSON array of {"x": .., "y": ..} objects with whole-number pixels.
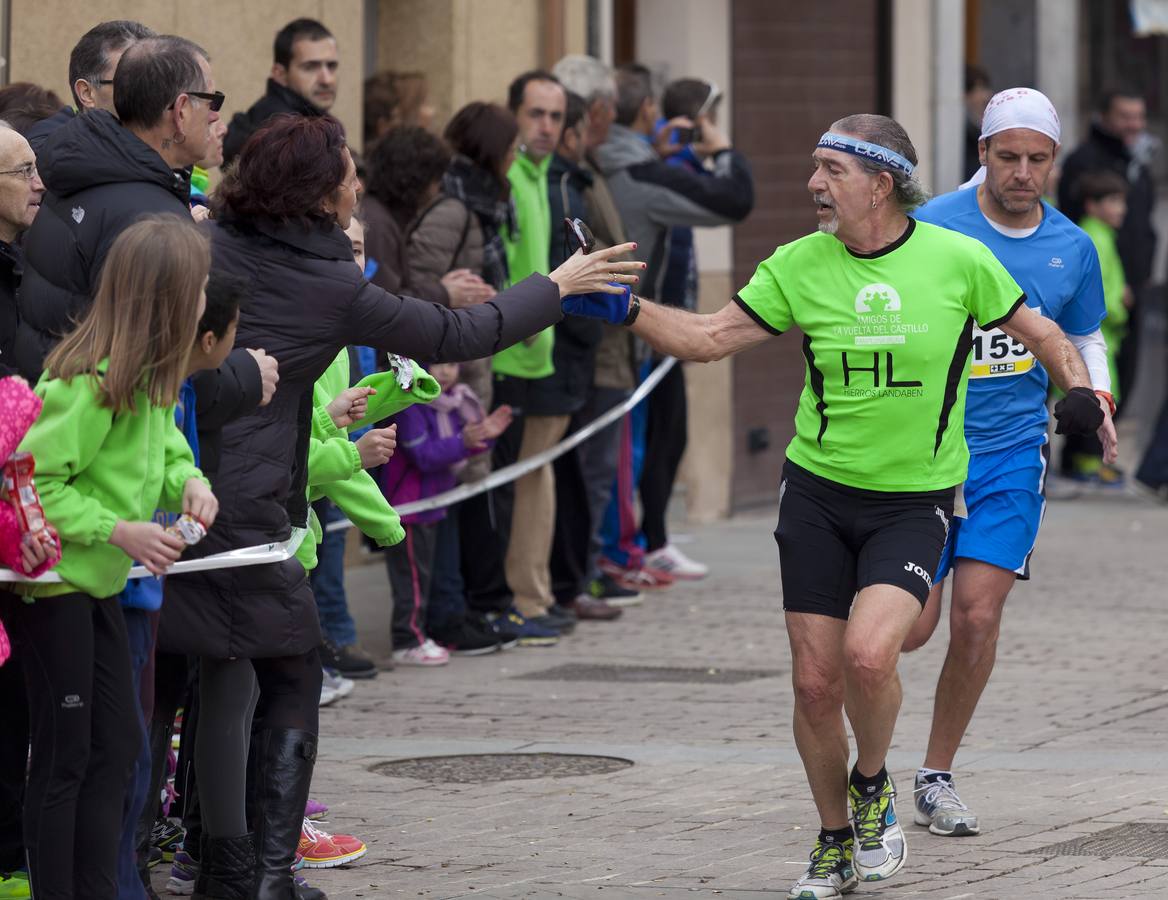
[
  {"x": 23, "y": 104},
  {"x": 285, "y": 171},
  {"x": 483, "y": 133},
  {"x": 403, "y": 166}
]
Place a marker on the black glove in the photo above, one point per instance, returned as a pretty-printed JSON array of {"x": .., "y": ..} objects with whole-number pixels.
[{"x": 1078, "y": 412}]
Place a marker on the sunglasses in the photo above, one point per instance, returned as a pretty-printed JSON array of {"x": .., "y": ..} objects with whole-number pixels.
[{"x": 215, "y": 100}]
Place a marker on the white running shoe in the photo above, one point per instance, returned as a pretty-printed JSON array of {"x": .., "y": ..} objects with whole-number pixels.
[
  {"x": 426, "y": 653},
  {"x": 936, "y": 804},
  {"x": 881, "y": 850},
  {"x": 672, "y": 561},
  {"x": 830, "y": 874},
  {"x": 338, "y": 682},
  {"x": 327, "y": 694}
]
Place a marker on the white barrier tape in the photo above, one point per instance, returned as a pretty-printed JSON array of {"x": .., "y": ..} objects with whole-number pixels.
[
  {"x": 282, "y": 550},
  {"x": 519, "y": 469},
  {"x": 230, "y": 559}
]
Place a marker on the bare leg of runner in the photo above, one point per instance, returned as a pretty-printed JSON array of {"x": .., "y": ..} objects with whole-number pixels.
[
  {"x": 924, "y": 627},
  {"x": 817, "y": 644},
  {"x": 975, "y": 616},
  {"x": 881, "y": 618}
]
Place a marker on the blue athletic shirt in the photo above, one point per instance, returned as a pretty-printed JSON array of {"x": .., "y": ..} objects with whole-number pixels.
[{"x": 1058, "y": 268}]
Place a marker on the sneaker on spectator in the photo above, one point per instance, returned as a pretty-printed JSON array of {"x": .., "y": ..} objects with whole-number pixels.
[
  {"x": 673, "y": 562},
  {"x": 315, "y": 809},
  {"x": 167, "y": 836},
  {"x": 586, "y": 606},
  {"x": 338, "y": 682},
  {"x": 321, "y": 850},
  {"x": 501, "y": 627},
  {"x": 426, "y": 653},
  {"x": 529, "y": 633},
  {"x": 466, "y": 638},
  {"x": 642, "y": 579},
  {"x": 557, "y": 618},
  {"x": 183, "y": 872},
  {"x": 350, "y": 660},
  {"x": 604, "y": 588},
  {"x": 14, "y": 886},
  {"x": 327, "y": 694}
]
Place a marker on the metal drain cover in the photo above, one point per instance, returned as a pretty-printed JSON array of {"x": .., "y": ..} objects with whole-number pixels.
[
  {"x": 645, "y": 674},
  {"x": 479, "y": 768},
  {"x": 1146, "y": 840}
]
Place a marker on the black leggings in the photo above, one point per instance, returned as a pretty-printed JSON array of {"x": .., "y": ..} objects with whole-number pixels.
[
  {"x": 288, "y": 697},
  {"x": 85, "y": 739},
  {"x": 665, "y": 441}
]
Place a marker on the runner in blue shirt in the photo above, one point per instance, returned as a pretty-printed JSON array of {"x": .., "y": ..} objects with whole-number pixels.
[{"x": 1055, "y": 263}]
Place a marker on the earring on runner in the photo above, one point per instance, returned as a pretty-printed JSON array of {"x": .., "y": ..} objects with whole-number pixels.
[{"x": 873, "y": 202}]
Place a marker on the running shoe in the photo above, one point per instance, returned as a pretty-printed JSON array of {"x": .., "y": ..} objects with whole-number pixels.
[
  {"x": 528, "y": 633},
  {"x": 339, "y": 683},
  {"x": 642, "y": 579},
  {"x": 604, "y": 588},
  {"x": 183, "y": 873},
  {"x": 167, "y": 836},
  {"x": 350, "y": 660},
  {"x": 321, "y": 850},
  {"x": 315, "y": 810},
  {"x": 501, "y": 627},
  {"x": 937, "y": 805},
  {"x": 880, "y": 847},
  {"x": 673, "y": 562},
  {"x": 14, "y": 886},
  {"x": 466, "y": 637},
  {"x": 830, "y": 874},
  {"x": 426, "y": 653},
  {"x": 327, "y": 694}
]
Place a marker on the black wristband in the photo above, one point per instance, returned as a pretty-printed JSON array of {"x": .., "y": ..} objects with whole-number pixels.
[{"x": 634, "y": 309}]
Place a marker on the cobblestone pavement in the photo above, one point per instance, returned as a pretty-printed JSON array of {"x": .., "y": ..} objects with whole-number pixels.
[{"x": 1069, "y": 741}]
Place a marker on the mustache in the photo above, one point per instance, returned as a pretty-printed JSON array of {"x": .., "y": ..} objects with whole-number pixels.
[{"x": 823, "y": 200}]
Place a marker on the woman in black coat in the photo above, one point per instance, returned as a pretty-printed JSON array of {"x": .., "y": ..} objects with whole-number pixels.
[{"x": 279, "y": 222}]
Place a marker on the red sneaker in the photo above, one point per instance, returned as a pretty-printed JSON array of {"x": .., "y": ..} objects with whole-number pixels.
[
  {"x": 320, "y": 850},
  {"x": 642, "y": 579}
]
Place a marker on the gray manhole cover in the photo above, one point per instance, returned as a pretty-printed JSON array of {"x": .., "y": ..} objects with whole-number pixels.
[
  {"x": 644, "y": 674},
  {"x": 1147, "y": 840},
  {"x": 477, "y": 768}
]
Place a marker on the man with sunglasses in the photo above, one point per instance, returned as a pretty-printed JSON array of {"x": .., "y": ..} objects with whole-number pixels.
[
  {"x": 92, "y": 64},
  {"x": 102, "y": 173}
]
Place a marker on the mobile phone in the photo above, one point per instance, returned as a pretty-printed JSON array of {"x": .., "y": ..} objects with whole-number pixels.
[
  {"x": 578, "y": 235},
  {"x": 687, "y": 135}
]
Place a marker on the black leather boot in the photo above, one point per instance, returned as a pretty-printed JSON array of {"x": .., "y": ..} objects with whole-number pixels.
[
  {"x": 227, "y": 868},
  {"x": 284, "y": 758}
]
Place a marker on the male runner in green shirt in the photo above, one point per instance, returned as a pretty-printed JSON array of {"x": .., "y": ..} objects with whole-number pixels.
[{"x": 886, "y": 305}]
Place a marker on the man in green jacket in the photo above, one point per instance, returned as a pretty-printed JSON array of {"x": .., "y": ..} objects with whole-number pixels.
[{"x": 538, "y": 101}]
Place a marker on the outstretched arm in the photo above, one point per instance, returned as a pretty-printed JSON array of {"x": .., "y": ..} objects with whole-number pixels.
[{"x": 701, "y": 338}]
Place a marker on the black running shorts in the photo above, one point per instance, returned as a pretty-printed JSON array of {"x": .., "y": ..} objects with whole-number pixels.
[{"x": 835, "y": 540}]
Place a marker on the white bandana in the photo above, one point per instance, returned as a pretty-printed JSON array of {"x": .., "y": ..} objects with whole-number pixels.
[{"x": 1017, "y": 108}]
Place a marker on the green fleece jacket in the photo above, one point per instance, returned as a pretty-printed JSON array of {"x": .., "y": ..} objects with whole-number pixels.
[
  {"x": 94, "y": 468},
  {"x": 527, "y": 253},
  {"x": 334, "y": 464},
  {"x": 1114, "y": 326}
]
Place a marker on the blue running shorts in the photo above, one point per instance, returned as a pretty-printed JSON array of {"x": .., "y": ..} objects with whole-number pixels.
[{"x": 1004, "y": 497}]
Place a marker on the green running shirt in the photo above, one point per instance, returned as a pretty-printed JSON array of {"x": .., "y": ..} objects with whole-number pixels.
[{"x": 887, "y": 338}]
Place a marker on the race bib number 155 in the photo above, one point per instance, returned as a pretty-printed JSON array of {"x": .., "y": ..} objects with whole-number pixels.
[{"x": 995, "y": 354}]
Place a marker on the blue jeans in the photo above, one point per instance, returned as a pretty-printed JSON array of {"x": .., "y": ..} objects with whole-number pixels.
[
  {"x": 328, "y": 580},
  {"x": 447, "y": 589},
  {"x": 141, "y": 639}
]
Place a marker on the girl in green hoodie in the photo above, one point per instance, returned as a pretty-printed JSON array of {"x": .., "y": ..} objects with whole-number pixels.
[{"x": 107, "y": 453}]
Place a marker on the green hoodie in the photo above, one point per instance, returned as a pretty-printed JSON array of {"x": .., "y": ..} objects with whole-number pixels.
[
  {"x": 93, "y": 468},
  {"x": 1114, "y": 325},
  {"x": 527, "y": 253},
  {"x": 334, "y": 464}
]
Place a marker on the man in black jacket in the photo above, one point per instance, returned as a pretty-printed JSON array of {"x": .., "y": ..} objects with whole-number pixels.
[
  {"x": 1112, "y": 145},
  {"x": 303, "y": 82},
  {"x": 92, "y": 64}
]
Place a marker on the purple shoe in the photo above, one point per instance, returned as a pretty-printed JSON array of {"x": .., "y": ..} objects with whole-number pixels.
[{"x": 315, "y": 810}]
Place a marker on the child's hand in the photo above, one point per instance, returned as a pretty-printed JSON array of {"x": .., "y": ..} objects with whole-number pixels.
[
  {"x": 149, "y": 543},
  {"x": 35, "y": 550},
  {"x": 350, "y": 406},
  {"x": 199, "y": 502},
  {"x": 376, "y": 446},
  {"x": 497, "y": 422}
]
